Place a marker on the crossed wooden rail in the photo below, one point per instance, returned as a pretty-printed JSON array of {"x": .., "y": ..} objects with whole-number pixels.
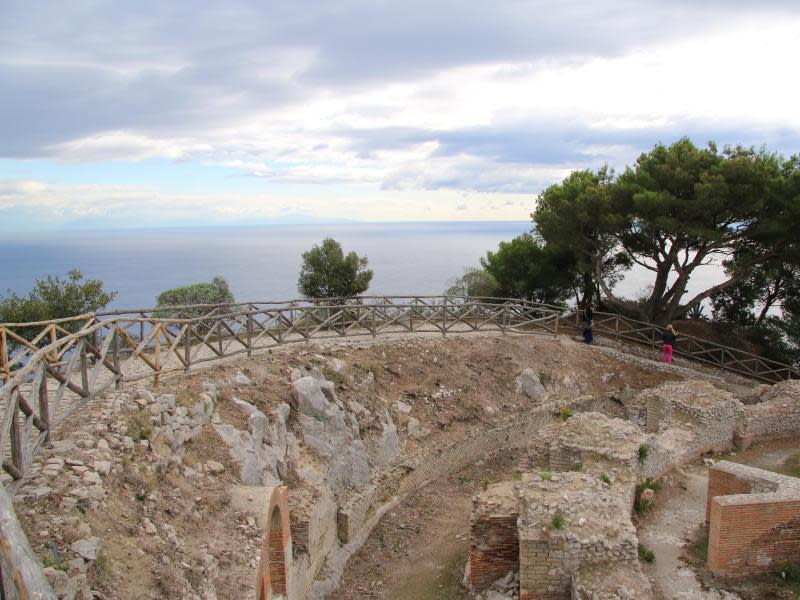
[
  {"x": 50, "y": 369},
  {"x": 693, "y": 348}
]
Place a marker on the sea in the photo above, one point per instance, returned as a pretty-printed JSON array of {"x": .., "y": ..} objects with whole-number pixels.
[{"x": 260, "y": 262}]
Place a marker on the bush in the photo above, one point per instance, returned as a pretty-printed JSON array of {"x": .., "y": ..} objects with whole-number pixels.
[
  {"x": 644, "y": 452},
  {"x": 215, "y": 292},
  {"x": 642, "y": 505},
  {"x": 646, "y": 554},
  {"x": 565, "y": 412},
  {"x": 139, "y": 426},
  {"x": 55, "y": 298},
  {"x": 474, "y": 283},
  {"x": 545, "y": 475},
  {"x": 557, "y": 521},
  {"x": 327, "y": 273}
]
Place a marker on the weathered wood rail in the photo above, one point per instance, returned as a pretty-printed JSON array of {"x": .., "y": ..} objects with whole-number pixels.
[
  {"x": 726, "y": 358},
  {"x": 48, "y": 370}
]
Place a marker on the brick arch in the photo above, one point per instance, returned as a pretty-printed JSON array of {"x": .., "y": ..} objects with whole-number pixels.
[{"x": 276, "y": 552}]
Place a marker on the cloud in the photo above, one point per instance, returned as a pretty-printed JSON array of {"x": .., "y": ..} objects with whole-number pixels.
[{"x": 385, "y": 98}]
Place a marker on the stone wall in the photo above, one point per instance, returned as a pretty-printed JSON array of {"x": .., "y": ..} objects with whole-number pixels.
[
  {"x": 776, "y": 416},
  {"x": 758, "y": 527}
]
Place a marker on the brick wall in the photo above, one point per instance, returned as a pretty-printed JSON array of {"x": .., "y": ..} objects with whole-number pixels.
[
  {"x": 724, "y": 483},
  {"x": 657, "y": 412},
  {"x": 563, "y": 459},
  {"x": 747, "y": 538},
  {"x": 494, "y": 550},
  {"x": 276, "y": 553},
  {"x": 754, "y": 519}
]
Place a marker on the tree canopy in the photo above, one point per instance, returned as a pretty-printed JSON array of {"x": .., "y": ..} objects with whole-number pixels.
[
  {"x": 474, "y": 283},
  {"x": 55, "y": 298},
  {"x": 328, "y": 273},
  {"x": 216, "y": 291},
  {"x": 679, "y": 207},
  {"x": 526, "y": 268}
]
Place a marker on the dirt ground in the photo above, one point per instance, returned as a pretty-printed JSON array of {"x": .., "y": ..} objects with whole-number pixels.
[
  {"x": 419, "y": 550},
  {"x": 673, "y": 530}
]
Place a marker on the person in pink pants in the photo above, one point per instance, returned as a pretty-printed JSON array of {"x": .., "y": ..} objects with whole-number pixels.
[{"x": 668, "y": 338}]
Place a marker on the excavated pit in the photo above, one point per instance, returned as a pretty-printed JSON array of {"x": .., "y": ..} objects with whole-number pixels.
[{"x": 398, "y": 434}]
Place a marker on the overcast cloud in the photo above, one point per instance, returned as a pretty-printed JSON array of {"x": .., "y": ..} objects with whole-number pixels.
[{"x": 457, "y": 109}]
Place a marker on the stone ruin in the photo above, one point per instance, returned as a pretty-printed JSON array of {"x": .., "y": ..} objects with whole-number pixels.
[
  {"x": 566, "y": 527},
  {"x": 563, "y": 529}
]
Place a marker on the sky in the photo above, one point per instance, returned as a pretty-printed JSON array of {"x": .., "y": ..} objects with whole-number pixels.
[{"x": 191, "y": 112}]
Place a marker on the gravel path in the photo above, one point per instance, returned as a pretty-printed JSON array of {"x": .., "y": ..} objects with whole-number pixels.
[{"x": 665, "y": 533}]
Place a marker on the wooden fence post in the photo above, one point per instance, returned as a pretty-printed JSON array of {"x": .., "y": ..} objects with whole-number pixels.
[
  {"x": 24, "y": 577},
  {"x": 157, "y": 356},
  {"x": 117, "y": 362},
  {"x": 444, "y": 315},
  {"x": 4, "y": 354},
  {"x": 84, "y": 367},
  {"x": 250, "y": 332},
  {"x": 187, "y": 347},
  {"x": 44, "y": 402}
]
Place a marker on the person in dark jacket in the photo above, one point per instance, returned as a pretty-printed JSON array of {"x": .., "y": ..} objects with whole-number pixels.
[
  {"x": 588, "y": 318},
  {"x": 668, "y": 338}
]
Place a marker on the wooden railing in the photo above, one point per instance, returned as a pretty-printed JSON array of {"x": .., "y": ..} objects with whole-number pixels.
[
  {"x": 726, "y": 358},
  {"x": 48, "y": 370},
  {"x": 49, "y": 373}
]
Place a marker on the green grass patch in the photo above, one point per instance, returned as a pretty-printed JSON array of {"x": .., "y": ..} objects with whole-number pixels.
[
  {"x": 54, "y": 563},
  {"x": 545, "y": 475},
  {"x": 644, "y": 452},
  {"x": 699, "y": 549},
  {"x": 564, "y": 413},
  {"x": 101, "y": 566},
  {"x": 642, "y": 505},
  {"x": 605, "y": 479},
  {"x": 646, "y": 554},
  {"x": 333, "y": 376},
  {"x": 557, "y": 521},
  {"x": 139, "y": 426}
]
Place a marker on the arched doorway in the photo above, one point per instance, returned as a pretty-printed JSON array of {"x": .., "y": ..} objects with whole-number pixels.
[{"x": 272, "y": 573}]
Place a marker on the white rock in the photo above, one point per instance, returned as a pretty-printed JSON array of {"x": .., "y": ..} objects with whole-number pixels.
[
  {"x": 241, "y": 379},
  {"x": 215, "y": 467},
  {"x": 87, "y": 548}
]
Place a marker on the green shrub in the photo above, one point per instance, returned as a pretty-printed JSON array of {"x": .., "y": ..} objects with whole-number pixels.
[
  {"x": 54, "y": 298},
  {"x": 139, "y": 426},
  {"x": 545, "y": 474},
  {"x": 642, "y": 505},
  {"x": 558, "y": 520},
  {"x": 565, "y": 412},
  {"x": 54, "y": 563},
  {"x": 644, "y": 452},
  {"x": 605, "y": 479},
  {"x": 334, "y": 376},
  {"x": 101, "y": 566},
  {"x": 327, "y": 272},
  {"x": 486, "y": 483},
  {"x": 646, "y": 554},
  {"x": 214, "y": 292}
]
